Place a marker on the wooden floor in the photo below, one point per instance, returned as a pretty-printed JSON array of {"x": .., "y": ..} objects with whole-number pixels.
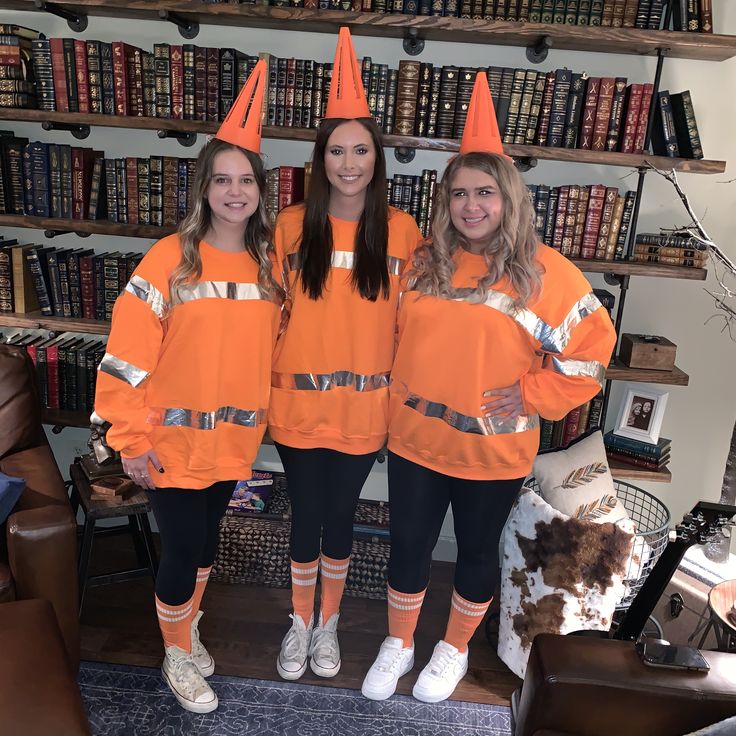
[{"x": 243, "y": 627}]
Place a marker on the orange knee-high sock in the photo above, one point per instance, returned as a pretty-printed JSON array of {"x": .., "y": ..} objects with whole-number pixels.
[
  {"x": 303, "y": 584},
  {"x": 403, "y": 614},
  {"x": 203, "y": 575},
  {"x": 333, "y": 574},
  {"x": 465, "y": 617},
  {"x": 175, "y": 623}
]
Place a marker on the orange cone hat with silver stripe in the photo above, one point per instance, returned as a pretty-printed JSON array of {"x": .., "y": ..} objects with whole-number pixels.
[
  {"x": 242, "y": 125},
  {"x": 481, "y": 127},
  {"x": 347, "y": 97}
]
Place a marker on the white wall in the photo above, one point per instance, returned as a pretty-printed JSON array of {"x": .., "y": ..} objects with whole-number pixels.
[{"x": 699, "y": 418}]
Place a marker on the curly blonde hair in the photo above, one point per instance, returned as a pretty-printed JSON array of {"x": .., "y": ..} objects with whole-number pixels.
[
  {"x": 257, "y": 239},
  {"x": 510, "y": 253}
]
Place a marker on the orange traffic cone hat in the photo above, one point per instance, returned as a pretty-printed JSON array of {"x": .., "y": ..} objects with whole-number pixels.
[
  {"x": 347, "y": 97},
  {"x": 242, "y": 125},
  {"x": 481, "y": 127}
]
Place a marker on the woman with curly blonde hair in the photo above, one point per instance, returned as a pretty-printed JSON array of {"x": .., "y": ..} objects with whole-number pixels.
[{"x": 495, "y": 330}]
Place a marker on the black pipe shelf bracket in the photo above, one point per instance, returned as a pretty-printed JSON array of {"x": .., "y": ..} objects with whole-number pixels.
[
  {"x": 537, "y": 52},
  {"x": 78, "y": 131},
  {"x": 404, "y": 154},
  {"x": 524, "y": 163},
  {"x": 185, "y": 138},
  {"x": 413, "y": 45},
  {"x": 615, "y": 279},
  {"x": 75, "y": 20},
  {"x": 187, "y": 28},
  {"x": 53, "y": 233}
]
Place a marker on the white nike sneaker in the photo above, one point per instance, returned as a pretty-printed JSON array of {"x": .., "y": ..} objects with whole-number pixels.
[
  {"x": 324, "y": 650},
  {"x": 292, "y": 661},
  {"x": 394, "y": 660},
  {"x": 186, "y": 682},
  {"x": 438, "y": 680},
  {"x": 203, "y": 660}
]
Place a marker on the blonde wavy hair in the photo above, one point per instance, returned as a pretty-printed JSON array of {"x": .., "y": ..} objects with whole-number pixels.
[
  {"x": 510, "y": 253},
  {"x": 257, "y": 239}
]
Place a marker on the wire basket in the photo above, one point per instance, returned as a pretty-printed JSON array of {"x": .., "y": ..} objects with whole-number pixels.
[{"x": 652, "y": 519}]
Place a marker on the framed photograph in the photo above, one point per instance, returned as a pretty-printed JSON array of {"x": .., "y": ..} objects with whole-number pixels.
[{"x": 641, "y": 413}]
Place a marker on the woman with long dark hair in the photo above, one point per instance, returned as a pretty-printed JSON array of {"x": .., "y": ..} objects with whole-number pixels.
[
  {"x": 179, "y": 399},
  {"x": 342, "y": 251}
]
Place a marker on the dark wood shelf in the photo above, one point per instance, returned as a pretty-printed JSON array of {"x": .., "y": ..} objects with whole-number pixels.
[
  {"x": 623, "y": 471},
  {"x": 446, "y": 145},
  {"x": 636, "y": 268},
  {"x": 63, "y": 418},
  {"x": 89, "y": 227},
  {"x": 37, "y": 321},
  {"x": 619, "y": 372},
  {"x": 706, "y": 46}
]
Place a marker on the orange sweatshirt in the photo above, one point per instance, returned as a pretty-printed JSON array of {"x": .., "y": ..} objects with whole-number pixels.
[
  {"x": 451, "y": 351},
  {"x": 332, "y": 364},
  {"x": 192, "y": 382}
]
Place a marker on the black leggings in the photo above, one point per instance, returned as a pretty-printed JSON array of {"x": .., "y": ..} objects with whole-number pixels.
[
  {"x": 418, "y": 499},
  {"x": 189, "y": 529},
  {"x": 323, "y": 487}
]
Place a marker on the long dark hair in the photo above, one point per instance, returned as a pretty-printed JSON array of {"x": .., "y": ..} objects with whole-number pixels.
[{"x": 370, "y": 269}]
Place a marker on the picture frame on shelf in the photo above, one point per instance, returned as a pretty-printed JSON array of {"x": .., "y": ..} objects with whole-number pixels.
[{"x": 641, "y": 413}]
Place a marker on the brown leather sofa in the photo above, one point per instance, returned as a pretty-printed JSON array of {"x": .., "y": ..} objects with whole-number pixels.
[
  {"x": 579, "y": 686},
  {"x": 38, "y": 546}
]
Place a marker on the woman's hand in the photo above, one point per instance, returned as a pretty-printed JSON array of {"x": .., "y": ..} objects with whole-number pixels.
[
  {"x": 136, "y": 468},
  {"x": 506, "y": 403}
]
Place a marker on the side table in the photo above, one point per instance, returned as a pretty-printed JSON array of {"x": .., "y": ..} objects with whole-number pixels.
[{"x": 135, "y": 507}]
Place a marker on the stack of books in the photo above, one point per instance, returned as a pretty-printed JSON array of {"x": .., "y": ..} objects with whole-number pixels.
[
  {"x": 670, "y": 248},
  {"x": 17, "y": 84},
  {"x": 634, "y": 452}
]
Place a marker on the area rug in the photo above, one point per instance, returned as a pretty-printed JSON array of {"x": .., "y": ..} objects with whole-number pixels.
[{"x": 133, "y": 701}]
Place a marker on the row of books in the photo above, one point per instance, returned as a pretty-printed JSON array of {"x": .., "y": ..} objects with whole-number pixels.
[
  {"x": 672, "y": 249},
  {"x": 635, "y": 452},
  {"x": 560, "y": 433},
  {"x": 589, "y": 222},
  {"x": 62, "y": 282},
  {"x": 675, "y": 132},
  {"x": 17, "y": 87},
  {"x": 66, "y": 369}
]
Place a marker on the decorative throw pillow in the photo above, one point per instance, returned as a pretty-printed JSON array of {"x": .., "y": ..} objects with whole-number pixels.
[
  {"x": 10, "y": 490},
  {"x": 576, "y": 480},
  {"x": 559, "y": 575}
]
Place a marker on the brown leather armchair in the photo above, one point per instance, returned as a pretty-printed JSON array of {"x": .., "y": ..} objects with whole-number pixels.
[{"x": 38, "y": 547}]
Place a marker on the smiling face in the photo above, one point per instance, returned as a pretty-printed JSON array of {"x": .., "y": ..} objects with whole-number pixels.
[
  {"x": 350, "y": 158},
  {"x": 232, "y": 192},
  {"x": 476, "y": 207}
]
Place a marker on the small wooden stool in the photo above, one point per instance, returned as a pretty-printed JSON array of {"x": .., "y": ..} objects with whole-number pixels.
[
  {"x": 135, "y": 507},
  {"x": 721, "y": 602}
]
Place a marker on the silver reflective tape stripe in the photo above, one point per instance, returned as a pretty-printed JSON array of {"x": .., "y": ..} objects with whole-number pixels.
[
  {"x": 148, "y": 293},
  {"x": 569, "y": 367},
  {"x": 210, "y": 419},
  {"x": 552, "y": 339},
  {"x": 343, "y": 259},
  {"x": 122, "y": 370},
  {"x": 220, "y": 290},
  {"x": 328, "y": 381},
  {"x": 468, "y": 424}
]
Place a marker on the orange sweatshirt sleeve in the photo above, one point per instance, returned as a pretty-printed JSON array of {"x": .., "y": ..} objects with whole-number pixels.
[
  {"x": 576, "y": 349},
  {"x": 132, "y": 355}
]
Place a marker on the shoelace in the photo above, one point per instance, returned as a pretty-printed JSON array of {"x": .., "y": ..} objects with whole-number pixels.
[
  {"x": 188, "y": 677},
  {"x": 197, "y": 646},
  {"x": 297, "y": 642},
  {"x": 388, "y": 660},
  {"x": 324, "y": 644},
  {"x": 441, "y": 660}
]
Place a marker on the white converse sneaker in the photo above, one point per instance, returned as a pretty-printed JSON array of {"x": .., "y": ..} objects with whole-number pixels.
[
  {"x": 292, "y": 661},
  {"x": 186, "y": 682},
  {"x": 324, "y": 651},
  {"x": 438, "y": 680},
  {"x": 203, "y": 660},
  {"x": 394, "y": 660}
]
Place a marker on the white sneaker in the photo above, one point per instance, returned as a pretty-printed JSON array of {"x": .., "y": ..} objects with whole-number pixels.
[
  {"x": 186, "y": 682},
  {"x": 394, "y": 660},
  {"x": 203, "y": 660},
  {"x": 324, "y": 650},
  {"x": 292, "y": 661},
  {"x": 438, "y": 680}
]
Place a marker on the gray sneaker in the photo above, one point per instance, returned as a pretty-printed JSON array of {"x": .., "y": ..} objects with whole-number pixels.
[
  {"x": 324, "y": 651},
  {"x": 292, "y": 661},
  {"x": 200, "y": 655},
  {"x": 186, "y": 682}
]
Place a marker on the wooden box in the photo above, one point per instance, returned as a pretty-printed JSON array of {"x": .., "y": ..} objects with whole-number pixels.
[{"x": 651, "y": 352}]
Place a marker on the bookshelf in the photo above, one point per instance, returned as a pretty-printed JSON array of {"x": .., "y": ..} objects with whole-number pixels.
[{"x": 707, "y": 47}]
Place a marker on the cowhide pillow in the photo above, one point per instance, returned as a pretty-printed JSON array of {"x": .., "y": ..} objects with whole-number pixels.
[
  {"x": 576, "y": 480},
  {"x": 559, "y": 575}
]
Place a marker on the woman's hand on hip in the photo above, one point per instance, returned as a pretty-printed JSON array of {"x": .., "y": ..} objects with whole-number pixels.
[
  {"x": 137, "y": 469},
  {"x": 506, "y": 403}
]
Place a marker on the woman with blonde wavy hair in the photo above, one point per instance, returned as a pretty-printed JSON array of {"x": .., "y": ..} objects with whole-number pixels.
[
  {"x": 174, "y": 385},
  {"x": 495, "y": 330}
]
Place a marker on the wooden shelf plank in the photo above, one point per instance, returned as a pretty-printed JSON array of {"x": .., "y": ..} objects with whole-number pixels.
[
  {"x": 90, "y": 227},
  {"x": 619, "y": 372},
  {"x": 37, "y": 321},
  {"x": 446, "y": 145},
  {"x": 710, "y": 47},
  {"x": 622, "y": 471},
  {"x": 635, "y": 268}
]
